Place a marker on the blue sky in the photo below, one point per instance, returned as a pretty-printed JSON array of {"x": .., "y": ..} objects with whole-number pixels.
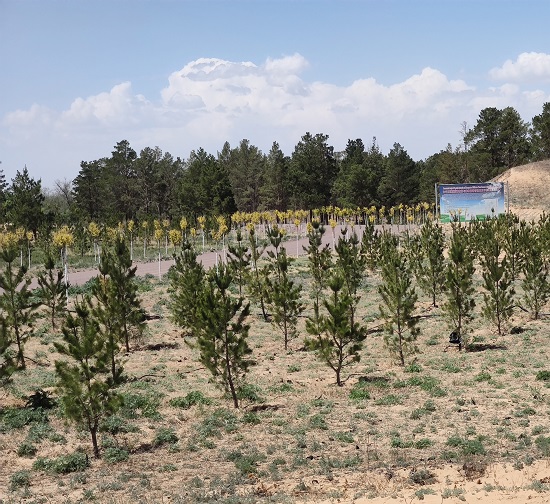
[{"x": 77, "y": 76}]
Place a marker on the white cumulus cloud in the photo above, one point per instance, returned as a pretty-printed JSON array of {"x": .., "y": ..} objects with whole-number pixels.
[
  {"x": 527, "y": 66},
  {"x": 210, "y": 101}
]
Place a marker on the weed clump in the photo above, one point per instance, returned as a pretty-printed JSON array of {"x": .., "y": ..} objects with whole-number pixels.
[{"x": 65, "y": 464}]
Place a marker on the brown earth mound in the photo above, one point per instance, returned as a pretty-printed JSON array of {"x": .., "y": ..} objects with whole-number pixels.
[{"x": 529, "y": 189}]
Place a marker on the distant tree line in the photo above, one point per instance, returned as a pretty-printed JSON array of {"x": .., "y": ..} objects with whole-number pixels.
[{"x": 155, "y": 185}]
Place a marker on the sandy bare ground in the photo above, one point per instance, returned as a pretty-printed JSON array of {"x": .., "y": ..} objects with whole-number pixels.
[{"x": 529, "y": 189}]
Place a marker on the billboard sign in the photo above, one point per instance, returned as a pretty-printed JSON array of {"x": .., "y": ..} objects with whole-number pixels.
[{"x": 467, "y": 202}]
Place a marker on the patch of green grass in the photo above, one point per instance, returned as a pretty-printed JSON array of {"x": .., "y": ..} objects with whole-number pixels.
[
  {"x": 115, "y": 424},
  {"x": 168, "y": 468},
  {"x": 302, "y": 410},
  {"x": 539, "y": 429},
  {"x": 246, "y": 460},
  {"x": 26, "y": 449},
  {"x": 421, "y": 492},
  {"x": 398, "y": 442},
  {"x": 324, "y": 405},
  {"x": 17, "y": 418},
  {"x": 538, "y": 486},
  {"x": 543, "y": 444},
  {"x": 432, "y": 341},
  {"x": 451, "y": 366},
  {"x": 20, "y": 479},
  {"x": 250, "y": 392},
  {"x": 523, "y": 412},
  {"x": 318, "y": 421},
  {"x": 543, "y": 375},
  {"x": 219, "y": 420},
  {"x": 389, "y": 400},
  {"x": 115, "y": 454},
  {"x": 427, "y": 409},
  {"x": 191, "y": 399},
  {"x": 64, "y": 464},
  {"x": 165, "y": 435},
  {"x": 251, "y": 418},
  {"x": 380, "y": 382},
  {"x": 281, "y": 388},
  {"x": 413, "y": 367},
  {"x": 467, "y": 446},
  {"x": 423, "y": 443},
  {"x": 359, "y": 392},
  {"x": 340, "y": 463},
  {"x": 453, "y": 492},
  {"x": 344, "y": 437},
  {"x": 428, "y": 384},
  {"x": 140, "y": 405},
  {"x": 483, "y": 376}
]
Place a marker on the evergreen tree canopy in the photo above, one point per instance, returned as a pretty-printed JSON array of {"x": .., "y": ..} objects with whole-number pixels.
[{"x": 24, "y": 202}]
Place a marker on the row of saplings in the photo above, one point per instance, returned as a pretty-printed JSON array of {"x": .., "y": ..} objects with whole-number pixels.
[{"x": 212, "y": 307}]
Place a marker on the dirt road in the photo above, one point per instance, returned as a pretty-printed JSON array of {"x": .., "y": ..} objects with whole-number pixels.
[{"x": 293, "y": 248}]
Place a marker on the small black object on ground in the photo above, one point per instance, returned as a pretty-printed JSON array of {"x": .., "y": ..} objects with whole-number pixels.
[{"x": 455, "y": 339}]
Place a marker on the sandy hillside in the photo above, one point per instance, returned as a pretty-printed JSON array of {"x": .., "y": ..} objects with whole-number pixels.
[{"x": 529, "y": 189}]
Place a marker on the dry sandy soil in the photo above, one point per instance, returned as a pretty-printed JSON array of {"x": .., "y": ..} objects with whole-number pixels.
[
  {"x": 449, "y": 427},
  {"x": 529, "y": 187}
]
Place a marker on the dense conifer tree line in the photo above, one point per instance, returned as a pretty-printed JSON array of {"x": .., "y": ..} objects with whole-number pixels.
[{"x": 152, "y": 184}]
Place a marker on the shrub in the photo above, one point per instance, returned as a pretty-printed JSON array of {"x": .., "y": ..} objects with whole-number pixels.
[
  {"x": 389, "y": 400},
  {"x": 543, "y": 376},
  {"x": 397, "y": 442},
  {"x": 359, "y": 392},
  {"x": 219, "y": 419},
  {"x": 336, "y": 463},
  {"x": 114, "y": 454},
  {"x": 251, "y": 418},
  {"x": 116, "y": 425},
  {"x": 318, "y": 421},
  {"x": 135, "y": 405},
  {"x": 246, "y": 462},
  {"x": 64, "y": 464},
  {"x": 428, "y": 408},
  {"x": 250, "y": 392},
  {"x": 413, "y": 367},
  {"x": 16, "y": 418},
  {"x": 165, "y": 436},
  {"x": 483, "y": 376},
  {"x": 423, "y": 443},
  {"x": 191, "y": 399},
  {"x": 543, "y": 444},
  {"x": 26, "y": 450},
  {"x": 344, "y": 437},
  {"x": 20, "y": 479},
  {"x": 422, "y": 477}
]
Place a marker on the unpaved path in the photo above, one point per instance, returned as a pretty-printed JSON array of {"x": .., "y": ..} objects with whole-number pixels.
[{"x": 293, "y": 248}]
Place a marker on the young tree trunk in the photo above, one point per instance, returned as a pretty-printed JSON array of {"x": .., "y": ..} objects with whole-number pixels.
[
  {"x": 93, "y": 433},
  {"x": 230, "y": 378},
  {"x": 20, "y": 354}
]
